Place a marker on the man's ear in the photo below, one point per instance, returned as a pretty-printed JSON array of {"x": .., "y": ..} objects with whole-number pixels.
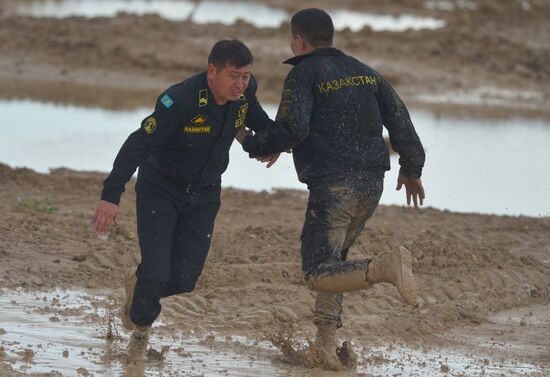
[
  {"x": 211, "y": 71},
  {"x": 301, "y": 42}
]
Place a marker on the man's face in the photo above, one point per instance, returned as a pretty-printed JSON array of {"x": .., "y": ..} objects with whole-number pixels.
[{"x": 228, "y": 83}]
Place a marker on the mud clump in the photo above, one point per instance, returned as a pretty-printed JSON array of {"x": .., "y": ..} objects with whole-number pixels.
[
  {"x": 83, "y": 372},
  {"x": 26, "y": 355},
  {"x": 347, "y": 356},
  {"x": 154, "y": 355}
]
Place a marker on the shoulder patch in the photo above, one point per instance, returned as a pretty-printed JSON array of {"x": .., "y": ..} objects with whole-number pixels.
[
  {"x": 289, "y": 87},
  {"x": 167, "y": 101},
  {"x": 284, "y": 108},
  {"x": 203, "y": 97},
  {"x": 149, "y": 125}
]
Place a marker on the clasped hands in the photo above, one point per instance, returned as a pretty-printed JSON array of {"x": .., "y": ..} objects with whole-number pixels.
[{"x": 269, "y": 158}]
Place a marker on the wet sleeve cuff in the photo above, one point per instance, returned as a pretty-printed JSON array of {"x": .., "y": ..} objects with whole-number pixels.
[
  {"x": 410, "y": 172},
  {"x": 111, "y": 196},
  {"x": 248, "y": 146}
]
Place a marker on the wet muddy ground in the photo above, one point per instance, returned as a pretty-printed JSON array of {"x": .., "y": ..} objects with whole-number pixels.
[
  {"x": 483, "y": 280},
  {"x": 74, "y": 332}
]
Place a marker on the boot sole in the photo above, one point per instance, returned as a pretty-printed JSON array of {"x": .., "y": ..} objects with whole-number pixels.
[
  {"x": 129, "y": 286},
  {"x": 406, "y": 284}
]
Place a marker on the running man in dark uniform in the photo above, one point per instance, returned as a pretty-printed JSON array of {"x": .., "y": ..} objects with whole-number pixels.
[
  {"x": 181, "y": 150},
  {"x": 331, "y": 115}
]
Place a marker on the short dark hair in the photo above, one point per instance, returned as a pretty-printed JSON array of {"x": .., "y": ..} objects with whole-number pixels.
[
  {"x": 314, "y": 26},
  {"x": 230, "y": 52}
]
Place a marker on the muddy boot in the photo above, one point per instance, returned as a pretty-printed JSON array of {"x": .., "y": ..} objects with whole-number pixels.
[
  {"x": 322, "y": 352},
  {"x": 129, "y": 287},
  {"x": 395, "y": 268},
  {"x": 339, "y": 277},
  {"x": 137, "y": 347}
]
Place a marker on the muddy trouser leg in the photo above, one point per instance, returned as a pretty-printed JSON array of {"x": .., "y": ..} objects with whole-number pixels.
[
  {"x": 157, "y": 217},
  {"x": 192, "y": 242},
  {"x": 335, "y": 216}
]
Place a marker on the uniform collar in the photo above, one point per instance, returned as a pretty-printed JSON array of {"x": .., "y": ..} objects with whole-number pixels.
[{"x": 322, "y": 51}]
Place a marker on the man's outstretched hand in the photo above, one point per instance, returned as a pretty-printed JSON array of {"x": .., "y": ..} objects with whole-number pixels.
[
  {"x": 414, "y": 189},
  {"x": 270, "y": 159},
  {"x": 105, "y": 215}
]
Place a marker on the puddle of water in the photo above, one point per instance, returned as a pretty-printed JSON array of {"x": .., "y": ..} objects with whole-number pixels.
[
  {"x": 60, "y": 331},
  {"x": 390, "y": 361},
  {"x": 226, "y": 12},
  {"x": 65, "y": 330},
  {"x": 169, "y": 9},
  {"x": 468, "y": 160},
  {"x": 486, "y": 96},
  {"x": 357, "y": 21},
  {"x": 450, "y": 5}
]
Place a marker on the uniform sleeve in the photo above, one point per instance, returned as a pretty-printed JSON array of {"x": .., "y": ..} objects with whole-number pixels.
[
  {"x": 403, "y": 136},
  {"x": 291, "y": 125},
  {"x": 154, "y": 129},
  {"x": 257, "y": 119}
]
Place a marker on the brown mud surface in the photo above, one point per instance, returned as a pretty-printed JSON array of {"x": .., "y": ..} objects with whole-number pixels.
[
  {"x": 468, "y": 266},
  {"x": 490, "y": 61}
]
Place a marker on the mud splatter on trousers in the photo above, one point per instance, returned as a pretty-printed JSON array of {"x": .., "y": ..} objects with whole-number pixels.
[{"x": 337, "y": 211}]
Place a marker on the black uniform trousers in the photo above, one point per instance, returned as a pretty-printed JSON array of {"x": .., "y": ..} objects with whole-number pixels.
[{"x": 174, "y": 229}]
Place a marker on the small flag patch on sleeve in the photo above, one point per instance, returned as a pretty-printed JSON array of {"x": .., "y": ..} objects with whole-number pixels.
[{"x": 167, "y": 101}]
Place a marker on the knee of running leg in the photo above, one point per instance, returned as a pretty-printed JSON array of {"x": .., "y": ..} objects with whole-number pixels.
[
  {"x": 186, "y": 288},
  {"x": 154, "y": 275},
  {"x": 185, "y": 284}
]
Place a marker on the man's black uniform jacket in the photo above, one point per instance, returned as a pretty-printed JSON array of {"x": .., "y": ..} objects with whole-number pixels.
[
  {"x": 331, "y": 114},
  {"x": 185, "y": 141}
]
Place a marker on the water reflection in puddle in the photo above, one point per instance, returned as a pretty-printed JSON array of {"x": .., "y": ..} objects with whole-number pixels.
[
  {"x": 226, "y": 12},
  {"x": 65, "y": 331}
]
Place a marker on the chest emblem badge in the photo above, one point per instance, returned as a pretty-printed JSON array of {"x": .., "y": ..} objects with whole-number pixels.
[{"x": 198, "y": 120}]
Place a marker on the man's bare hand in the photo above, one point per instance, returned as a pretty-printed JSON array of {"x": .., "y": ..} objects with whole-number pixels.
[
  {"x": 271, "y": 159},
  {"x": 105, "y": 215},
  {"x": 413, "y": 188}
]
